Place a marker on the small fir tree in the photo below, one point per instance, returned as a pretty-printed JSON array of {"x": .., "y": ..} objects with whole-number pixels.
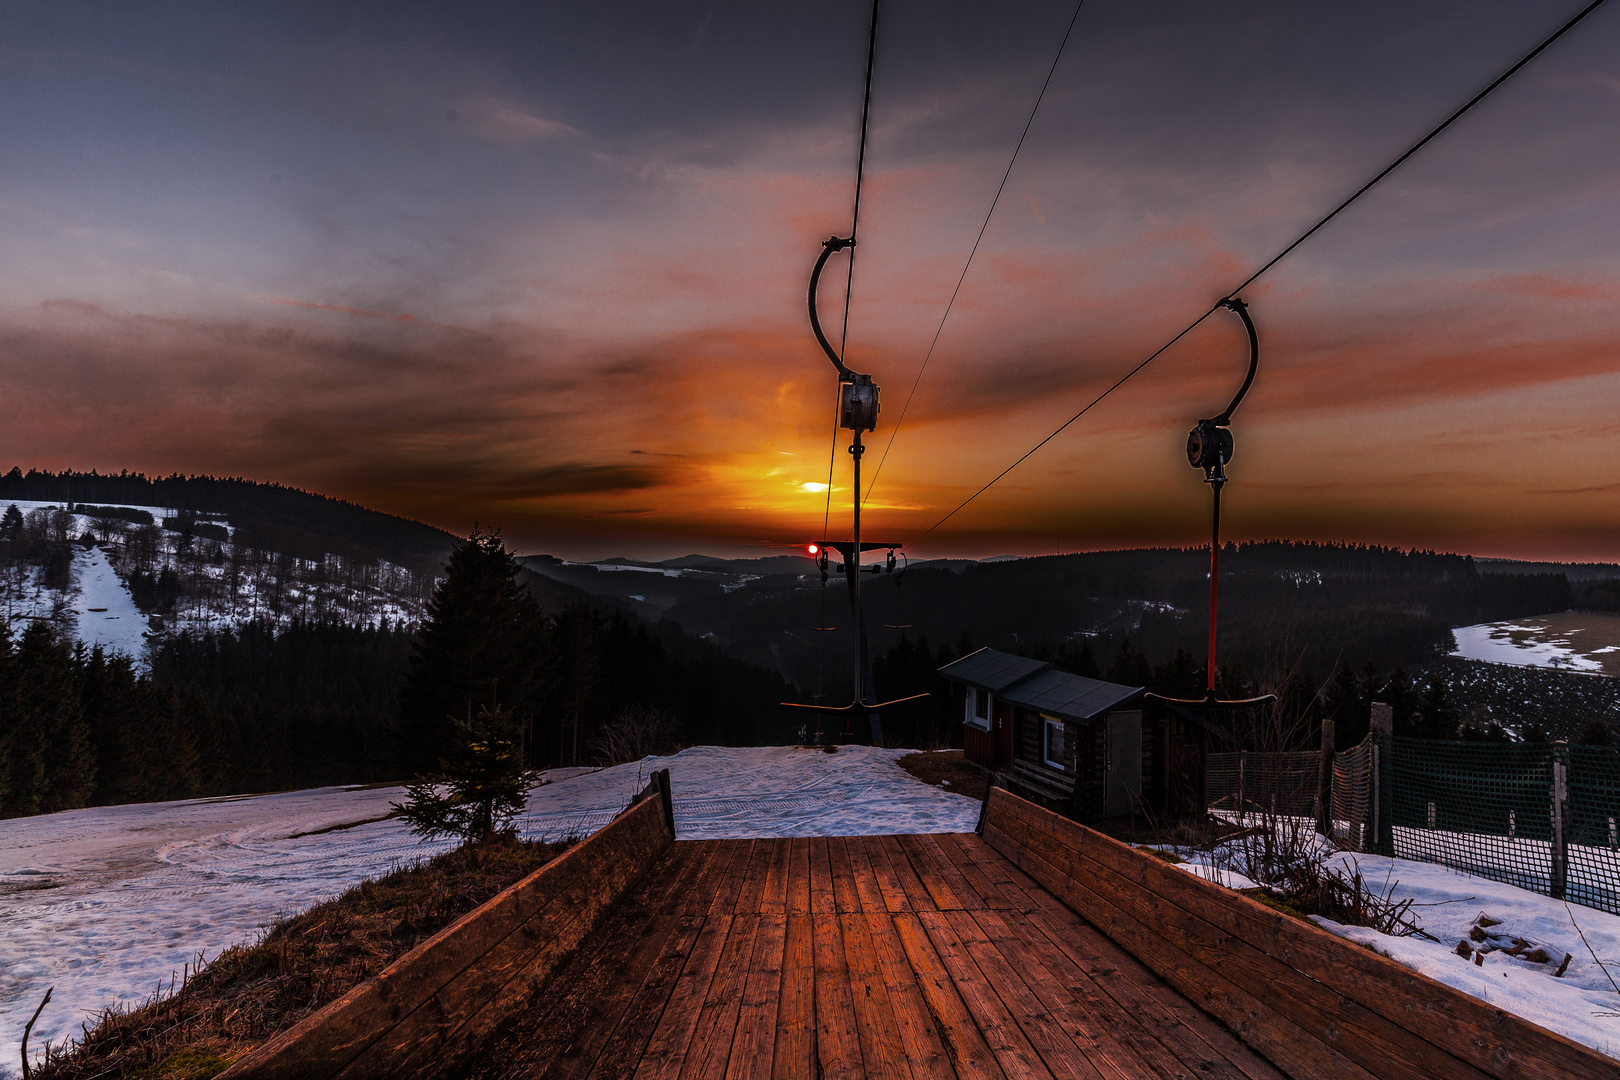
[{"x": 482, "y": 787}]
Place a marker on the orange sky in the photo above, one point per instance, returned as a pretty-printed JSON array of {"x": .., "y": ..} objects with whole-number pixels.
[{"x": 564, "y": 295}]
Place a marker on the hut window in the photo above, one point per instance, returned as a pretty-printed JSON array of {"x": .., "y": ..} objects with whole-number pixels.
[
  {"x": 1052, "y": 743},
  {"x": 981, "y": 703}
]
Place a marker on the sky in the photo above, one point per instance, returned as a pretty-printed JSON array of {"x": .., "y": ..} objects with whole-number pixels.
[{"x": 543, "y": 266}]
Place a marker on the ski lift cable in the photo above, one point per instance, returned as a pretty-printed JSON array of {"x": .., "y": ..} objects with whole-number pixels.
[
  {"x": 860, "y": 172},
  {"x": 849, "y": 280},
  {"x": 1252, "y": 278},
  {"x": 975, "y": 249}
]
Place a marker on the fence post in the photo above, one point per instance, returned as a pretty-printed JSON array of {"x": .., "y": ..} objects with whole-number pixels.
[
  {"x": 1559, "y": 877},
  {"x": 1383, "y": 741},
  {"x": 1324, "y": 783}
]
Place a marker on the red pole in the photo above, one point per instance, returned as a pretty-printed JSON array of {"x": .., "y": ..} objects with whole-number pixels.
[{"x": 1214, "y": 575}]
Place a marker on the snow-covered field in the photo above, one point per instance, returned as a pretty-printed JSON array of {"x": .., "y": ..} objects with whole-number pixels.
[
  {"x": 1567, "y": 641},
  {"x": 106, "y": 904}
]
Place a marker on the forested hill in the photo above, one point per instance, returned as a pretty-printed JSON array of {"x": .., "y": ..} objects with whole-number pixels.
[{"x": 301, "y": 519}]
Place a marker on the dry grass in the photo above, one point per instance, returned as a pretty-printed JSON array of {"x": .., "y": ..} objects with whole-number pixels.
[
  {"x": 251, "y": 992},
  {"x": 950, "y": 768}
]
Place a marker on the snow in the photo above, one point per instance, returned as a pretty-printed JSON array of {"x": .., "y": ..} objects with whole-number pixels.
[
  {"x": 107, "y": 614},
  {"x": 1582, "y": 1005},
  {"x": 1512, "y": 643},
  {"x": 1446, "y": 905},
  {"x": 106, "y": 904}
]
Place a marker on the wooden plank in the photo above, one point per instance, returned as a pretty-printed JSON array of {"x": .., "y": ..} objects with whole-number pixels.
[
  {"x": 845, "y": 895},
  {"x": 868, "y": 887},
  {"x": 1113, "y": 1040},
  {"x": 628, "y": 1040},
  {"x": 562, "y": 1035},
  {"x": 753, "y": 887},
  {"x": 821, "y": 883},
  {"x": 730, "y": 883},
  {"x": 838, "y": 1043},
  {"x": 1127, "y": 998},
  {"x": 500, "y": 981},
  {"x": 1314, "y": 1006},
  {"x": 959, "y": 1032},
  {"x": 798, "y": 883},
  {"x": 1003, "y": 874},
  {"x": 1015, "y": 1053},
  {"x": 910, "y": 880},
  {"x": 666, "y": 1049},
  {"x": 893, "y": 895},
  {"x": 754, "y": 1047},
  {"x": 954, "y": 845},
  {"x": 1284, "y": 1042},
  {"x": 1491, "y": 1041},
  {"x": 882, "y": 1048},
  {"x": 1065, "y": 1048},
  {"x": 944, "y": 882},
  {"x": 796, "y": 1010},
  {"x": 716, "y": 1028},
  {"x": 699, "y": 893},
  {"x": 918, "y": 1034},
  {"x": 336, "y": 1035},
  {"x": 569, "y": 1030},
  {"x": 773, "y": 901},
  {"x": 1099, "y": 972}
]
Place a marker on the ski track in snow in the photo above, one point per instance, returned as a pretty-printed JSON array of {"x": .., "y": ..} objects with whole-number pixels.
[
  {"x": 120, "y": 626},
  {"x": 106, "y": 904}
]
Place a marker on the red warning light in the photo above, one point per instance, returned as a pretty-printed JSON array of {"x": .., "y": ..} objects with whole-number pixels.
[{"x": 813, "y": 549}]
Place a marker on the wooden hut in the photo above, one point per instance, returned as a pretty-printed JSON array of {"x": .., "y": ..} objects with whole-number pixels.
[{"x": 1090, "y": 748}]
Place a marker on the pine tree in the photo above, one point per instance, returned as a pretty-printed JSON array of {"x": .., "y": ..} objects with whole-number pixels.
[
  {"x": 1129, "y": 667},
  {"x": 1595, "y": 733},
  {"x": 480, "y": 639},
  {"x": 1436, "y": 717},
  {"x": 482, "y": 786},
  {"x": 1346, "y": 703}
]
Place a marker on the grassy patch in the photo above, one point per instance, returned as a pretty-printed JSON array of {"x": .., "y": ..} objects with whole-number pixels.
[
  {"x": 948, "y": 769},
  {"x": 250, "y": 992}
]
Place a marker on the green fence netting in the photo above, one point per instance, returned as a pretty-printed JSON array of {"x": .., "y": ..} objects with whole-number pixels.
[
  {"x": 1592, "y": 814},
  {"x": 1496, "y": 810},
  {"x": 1484, "y": 809}
]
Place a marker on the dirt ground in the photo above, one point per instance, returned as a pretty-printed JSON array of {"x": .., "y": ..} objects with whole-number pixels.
[{"x": 948, "y": 769}]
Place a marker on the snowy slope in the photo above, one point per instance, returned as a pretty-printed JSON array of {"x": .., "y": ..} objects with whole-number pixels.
[
  {"x": 107, "y": 903},
  {"x": 106, "y": 613}
]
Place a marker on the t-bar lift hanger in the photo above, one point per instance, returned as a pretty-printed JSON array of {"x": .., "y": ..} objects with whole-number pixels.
[{"x": 1209, "y": 447}]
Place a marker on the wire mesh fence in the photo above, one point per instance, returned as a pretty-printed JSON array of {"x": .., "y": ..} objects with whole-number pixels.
[
  {"x": 1251, "y": 781},
  {"x": 1541, "y": 817},
  {"x": 1352, "y": 797}
]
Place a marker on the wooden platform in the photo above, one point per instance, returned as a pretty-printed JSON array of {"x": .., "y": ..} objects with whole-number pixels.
[{"x": 892, "y": 956}]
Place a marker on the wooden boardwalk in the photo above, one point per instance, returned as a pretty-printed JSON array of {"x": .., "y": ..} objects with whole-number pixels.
[{"x": 886, "y": 956}]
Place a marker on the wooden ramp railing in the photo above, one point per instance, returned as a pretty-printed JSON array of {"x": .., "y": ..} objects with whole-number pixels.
[
  {"x": 429, "y": 1007},
  {"x": 1315, "y": 1004}
]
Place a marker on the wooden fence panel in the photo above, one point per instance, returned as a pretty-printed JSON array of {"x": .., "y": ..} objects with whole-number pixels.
[
  {"x": 1314, "y": 1003},
  {"x": 432, "y": 1003}
]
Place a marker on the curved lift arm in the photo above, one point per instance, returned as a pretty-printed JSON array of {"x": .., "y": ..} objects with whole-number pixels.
[
  {"x": 1232, "y": 303},
  {"x": 830, "y": 245}
]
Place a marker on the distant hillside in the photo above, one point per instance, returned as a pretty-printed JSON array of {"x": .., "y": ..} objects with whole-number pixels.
[
  {"x": 314, "y": 524},
  {"x": 1319, "y": 602}
]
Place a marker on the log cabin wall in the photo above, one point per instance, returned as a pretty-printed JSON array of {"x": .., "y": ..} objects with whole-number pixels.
[
  {"x": 1316, "y": 1005},
  {"x": 427, "y": 1009}
]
